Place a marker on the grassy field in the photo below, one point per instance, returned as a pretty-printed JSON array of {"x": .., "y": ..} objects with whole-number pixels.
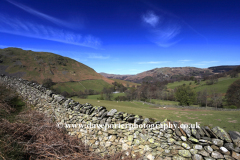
[
  {"x": 98, "y": 95},
  {"x": 221, "y": 86},
  {"x": 96, "y": 85},
  {"x": 164, "y": 102},
  {"x": 229, "y": 120}
]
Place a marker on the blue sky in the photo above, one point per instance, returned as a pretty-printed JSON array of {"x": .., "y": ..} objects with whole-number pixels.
[{"x": 126, "y": 36}]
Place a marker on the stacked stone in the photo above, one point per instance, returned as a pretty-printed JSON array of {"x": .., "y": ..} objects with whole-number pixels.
[{"x": 154, "y": 143}]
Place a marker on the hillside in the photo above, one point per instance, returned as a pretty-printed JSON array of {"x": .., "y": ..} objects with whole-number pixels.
[
  {"x": 161, "y": 74},
  {"x": 37, "y": 66},
  {"x": 220, "y": 69},
  {"x": 221, "y": 86},
  {"x": 115, "y": 76},
  {"x": 126, "y": 83},
  {"x": 166, "y": 73}
]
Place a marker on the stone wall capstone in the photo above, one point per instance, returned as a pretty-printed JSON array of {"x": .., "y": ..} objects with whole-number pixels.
[{"x": 148, "y": 139}]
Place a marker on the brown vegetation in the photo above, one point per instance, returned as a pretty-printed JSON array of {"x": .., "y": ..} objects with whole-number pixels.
[
  {"x": 38, "y": 66},
  {"x": 33, "y": 135}
]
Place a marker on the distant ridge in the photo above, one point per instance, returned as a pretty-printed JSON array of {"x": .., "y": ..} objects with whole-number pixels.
[
  {"x": 166, "y": 73},
  {"x": 224, "y": 68}
]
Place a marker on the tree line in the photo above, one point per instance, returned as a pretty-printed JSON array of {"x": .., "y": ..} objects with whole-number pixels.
[{"x": 184, "y": 94}]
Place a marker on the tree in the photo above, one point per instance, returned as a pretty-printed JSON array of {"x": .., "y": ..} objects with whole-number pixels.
[
  {"x": 131, "y": 93},
  {"x": 48, "y": 83},
  {"x": 202, "y": 98},
  {"x": 108, "y": 93},
  {"x": 233, "y": 94},
  {"x": 185, "y": 95},
  {"x": 234, "y": 74},
  {"x": 216, "y": 98}
]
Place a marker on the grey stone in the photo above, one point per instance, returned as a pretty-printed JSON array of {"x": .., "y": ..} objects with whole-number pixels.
[
  {"x": 221, "y": 133},
  {"x": 184, "y": 153},
  {"x": 187, "y": 131},
  {"x": 209, "y": 158},
  {"x": 197, "y": 146},
  {"x": 201, "y": 132},
  {"x": 211, "y": 133},
  {"x": 235, "y": 136},
  {"x": 146, "y": 121},
  {"x": 183, "y": 138},
  {"x": 217, "y": 142},
  {"x": 193, "y": 139},
  {"x": 138, "y": 121},
  {"x": 178, "y": 132},
  {"x": 224, "y": 151},
  {"x": 236, "y": 155},
  {"x": 229, "y": 146},
  {"x": 197, "y": 157},
  {"x": 217, "y": 155},
  {"x": 177, "y": 157},
  {"x": 186, "y": 146},
  {"x": 193, "y": 151},
  {"x": 208, "y": 149},
  {"x": 195, "y": 133},
  {"x": 205, "y": 132},
  {"x": 111, "y": 112},
  {"x": 101, "y": 113},
  {"x": 227, "y": 157},
  {"x": 203, "y": 153}
]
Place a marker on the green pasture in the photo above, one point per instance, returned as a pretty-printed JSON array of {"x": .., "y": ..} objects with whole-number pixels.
[
  {"x": 96, "y": 85},
  {"x": 221, "y": 86},
  {"x": 98, "y": 95},
  {"x": 229, "y": 120}
]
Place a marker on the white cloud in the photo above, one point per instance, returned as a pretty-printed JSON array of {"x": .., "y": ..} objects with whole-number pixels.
[
  {"x": 185, "y": 60},
  {"x": 151, "y": 19},
  {"x": 97, "y": 56},
  {"x": 154, "y": 62},
  {"x": 163, "y": 35},
  {"x": 209, "y": 62},
  {"x": 28, "y": 29},
  {"x": 44, "y": 16}
]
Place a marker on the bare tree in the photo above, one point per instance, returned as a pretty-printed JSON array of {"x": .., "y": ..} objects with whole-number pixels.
[
  {"x": 216, "y": 98},
  {"x": 203, "y": 97}
]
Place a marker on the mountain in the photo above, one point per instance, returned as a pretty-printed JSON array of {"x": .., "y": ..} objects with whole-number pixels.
[
  {"x": 161, "y": 74},
  {"x": 115, "y": 76},
  {"x": 37, "y": 66},
  {"x": 221, "y": 69},
  {"x": 170, "y": 73}
]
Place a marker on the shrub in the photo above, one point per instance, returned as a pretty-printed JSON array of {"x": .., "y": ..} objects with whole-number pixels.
[
  {"x": 231, "y": 107},
  {"x": 48, "y": 83},
  {"x": 185, "y": 95},
  {"x": 233, "y": 94}
]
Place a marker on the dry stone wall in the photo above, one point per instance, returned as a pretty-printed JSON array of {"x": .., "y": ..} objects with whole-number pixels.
[{"x": 151, "y": 142}]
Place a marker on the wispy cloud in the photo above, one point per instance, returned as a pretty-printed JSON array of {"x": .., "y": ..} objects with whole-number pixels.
[
  {"x": 45, "y": 16},
  {"x": 154, "y": 62},
  {"x": 97, "y": 56},
  {"x": 185, "y": 60},
  {"x": 163, "y": 29},
  {"x": 151, "y": 19},
  {"x": 28, "y": 29},
  {"x": 169, "y": 14},
  {"x": 209, "y": 61}
]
